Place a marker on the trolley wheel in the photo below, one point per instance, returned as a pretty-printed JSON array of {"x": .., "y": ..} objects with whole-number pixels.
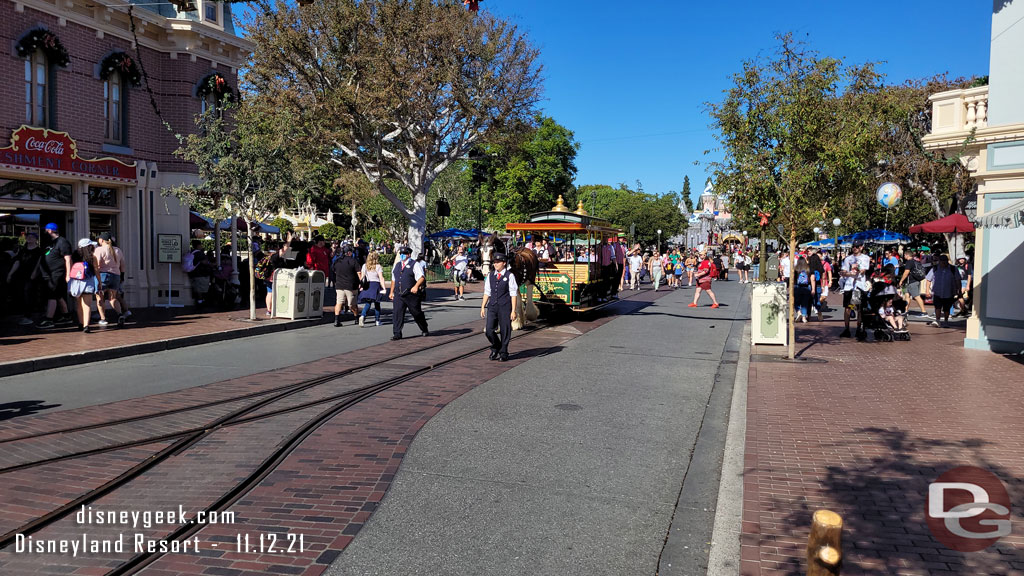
[{"x": 880, "y": 335}]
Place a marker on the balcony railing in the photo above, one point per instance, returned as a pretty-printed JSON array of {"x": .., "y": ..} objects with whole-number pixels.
[{"x": 959, "y": 110}]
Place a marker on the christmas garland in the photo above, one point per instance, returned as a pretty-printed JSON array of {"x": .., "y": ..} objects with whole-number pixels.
[
  {"x": 41, "y": 38},
  {"x": 217, "y": 85},
  {"x": 122, "y": 63}
]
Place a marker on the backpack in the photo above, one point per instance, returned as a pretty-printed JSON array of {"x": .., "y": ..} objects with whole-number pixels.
[
  {"x": 188, "y": 263},
  {"x": 79, "y": 271},
  {"x": 262, "y": 270},
  {"x": 803, "y": 279},
  {"x": 713, "y": 269},
  {"x": 916, "y": 270}
]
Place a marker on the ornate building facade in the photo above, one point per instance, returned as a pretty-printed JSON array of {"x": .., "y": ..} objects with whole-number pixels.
[{"x": 94, "y": 92}]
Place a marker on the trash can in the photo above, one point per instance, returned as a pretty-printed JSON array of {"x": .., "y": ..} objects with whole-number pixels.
[
  {"x": 317, "y": 287},
  {"x": 768, "y": 313},
  {"x": 291, "y": 293}
]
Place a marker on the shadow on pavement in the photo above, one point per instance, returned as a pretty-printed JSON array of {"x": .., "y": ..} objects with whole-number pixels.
[
  {"x": 883, "y": 500},
  {"x": 21, "y": 408}
]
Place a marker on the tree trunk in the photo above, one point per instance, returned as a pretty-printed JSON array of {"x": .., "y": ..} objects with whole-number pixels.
[
  {"x": 252, "y": 275},
  {"x": 792, "y": 296},
  {"x": 234, "y": 249},
  {"x": 418, "y": 222},
  {"x": 354, "y": 222},
  {"x": 955, "y": 245}
]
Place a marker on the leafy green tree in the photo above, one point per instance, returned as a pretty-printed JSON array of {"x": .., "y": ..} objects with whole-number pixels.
[
  {"x": 282, "y": 224},
  {"x": 242, "y": 160},
  {"x": 331, "y": 231},
  {"x": 780, "y": 141},
  {"x": 398, "y": 89}
]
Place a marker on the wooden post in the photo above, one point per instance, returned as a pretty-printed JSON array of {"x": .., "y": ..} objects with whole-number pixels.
[{"x": 824, "y": 546}]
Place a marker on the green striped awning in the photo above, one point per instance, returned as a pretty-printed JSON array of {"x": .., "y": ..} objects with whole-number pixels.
[{"x": 1011, "y": 216}]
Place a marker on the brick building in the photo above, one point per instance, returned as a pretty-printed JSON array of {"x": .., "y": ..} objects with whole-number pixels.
[{"x": 72, "y": 67}]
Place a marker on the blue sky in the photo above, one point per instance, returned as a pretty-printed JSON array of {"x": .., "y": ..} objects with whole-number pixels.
[{"x": 630, "y": 78}]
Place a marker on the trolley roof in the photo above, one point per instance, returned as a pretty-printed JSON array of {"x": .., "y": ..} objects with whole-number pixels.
[{"x": 559, "y": 221}]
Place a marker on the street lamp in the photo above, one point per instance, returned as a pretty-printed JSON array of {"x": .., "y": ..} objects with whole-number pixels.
[
  {"x": 659, "y": 239},
  {"x": 836, "y": 222}
]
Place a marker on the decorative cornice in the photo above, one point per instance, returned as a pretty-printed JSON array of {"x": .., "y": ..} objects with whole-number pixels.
[
  {"x": 982, "y": 137},
  {"x": 175, "y": 35}
]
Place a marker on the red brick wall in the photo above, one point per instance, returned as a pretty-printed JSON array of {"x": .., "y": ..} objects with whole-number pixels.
[{"x": 80, "y": 90}]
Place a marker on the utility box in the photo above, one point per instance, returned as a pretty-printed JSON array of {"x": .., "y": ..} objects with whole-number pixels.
[
  {"x": 768, "y": 313},
  {"x": 317, "y": 289},
  {"x": 291, "y": 293}
]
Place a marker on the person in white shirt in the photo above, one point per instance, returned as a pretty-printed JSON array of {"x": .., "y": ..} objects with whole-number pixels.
[
  {"x": 460, "y": 263},
  {"x": 854, "y": 277},
  {"x": 501, "y": 300},
  {"x": 636, "y": 261},
  {"x": 784, "y": 268}
]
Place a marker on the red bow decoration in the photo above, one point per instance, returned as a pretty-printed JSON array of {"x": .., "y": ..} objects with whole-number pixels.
[
  {"x": 219, "y": 83},
  {"x": 474, "y": 5},
  {"x": 764, "y": 217}
]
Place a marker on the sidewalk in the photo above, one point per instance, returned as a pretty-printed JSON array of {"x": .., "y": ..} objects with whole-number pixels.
[
  {"x": 863, "y": 435},
  {"x": 28, "y": 349}
]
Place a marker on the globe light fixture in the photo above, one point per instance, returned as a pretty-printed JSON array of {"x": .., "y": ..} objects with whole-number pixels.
[{"x": 837, "y": 222}]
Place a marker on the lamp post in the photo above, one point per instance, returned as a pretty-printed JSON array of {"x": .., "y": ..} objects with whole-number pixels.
[
  {"x": 836, "y": 222},
  {"x": 659, "y": 239}
]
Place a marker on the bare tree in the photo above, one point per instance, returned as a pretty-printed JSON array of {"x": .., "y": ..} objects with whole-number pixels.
[{"x": 398, "y": 89}]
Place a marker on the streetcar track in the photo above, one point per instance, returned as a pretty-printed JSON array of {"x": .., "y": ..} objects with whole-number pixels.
[
  {"x": 189, "y": 439},
  {"x": 212, "y": 403}
]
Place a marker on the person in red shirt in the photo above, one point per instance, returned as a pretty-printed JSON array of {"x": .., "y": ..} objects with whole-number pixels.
[
  {"x": 704, "y": 282},
  {"x": 318, "y": 257}
]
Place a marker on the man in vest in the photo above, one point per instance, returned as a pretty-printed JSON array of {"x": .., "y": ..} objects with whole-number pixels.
[
  {"x": 501, "y": 299},
  {"x": 407, "y": 280}
]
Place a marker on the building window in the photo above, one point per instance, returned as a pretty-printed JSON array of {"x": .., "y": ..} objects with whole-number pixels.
[
  {"x": 102, "y": 196},
  {"x": 211, "y": 12},
  {"x": 37, "y": 94},
  {"x": 113, "y": 109}
]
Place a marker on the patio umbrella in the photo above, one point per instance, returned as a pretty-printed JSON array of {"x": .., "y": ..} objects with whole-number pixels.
[
  {"x": 954, "y": 223},
  {"x": 197, "y": 221},
  {"x": 876, "y": 236}
]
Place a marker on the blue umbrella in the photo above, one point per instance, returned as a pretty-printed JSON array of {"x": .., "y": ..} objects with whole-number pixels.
[{"x": 876, "y": 236}]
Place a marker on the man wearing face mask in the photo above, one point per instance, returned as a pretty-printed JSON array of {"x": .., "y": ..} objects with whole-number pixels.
[{"x": 407, "y": 280}]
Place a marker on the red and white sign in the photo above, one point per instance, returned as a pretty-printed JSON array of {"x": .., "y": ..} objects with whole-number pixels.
[{"x": 52, "y": 152}]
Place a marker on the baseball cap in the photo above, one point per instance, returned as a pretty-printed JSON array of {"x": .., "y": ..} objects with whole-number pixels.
[
  {"x": 858, "y": 243},
  {"x": 105, "y": 236},
  {"x": 85, "y": 242},
  {"x": 51, "y": 226}
]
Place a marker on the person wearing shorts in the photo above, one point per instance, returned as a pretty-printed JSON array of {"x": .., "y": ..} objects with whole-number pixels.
[
  {"x": 945, "y": 285},
  {"x": 346, "y": 283},
  {"x": 704, "y": 282},
  {"x": 460, "y": 274},
  {"x": 56, "y": 271},
  {"x": 109, "y": 264}
]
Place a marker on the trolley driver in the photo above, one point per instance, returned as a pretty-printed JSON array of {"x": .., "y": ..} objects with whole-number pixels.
[{"x": 501, "y": 299}]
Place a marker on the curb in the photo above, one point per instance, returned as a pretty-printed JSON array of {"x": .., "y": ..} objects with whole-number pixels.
[
  {"x": 74, "y": 359},
  {"x": 725, "y": 541}
]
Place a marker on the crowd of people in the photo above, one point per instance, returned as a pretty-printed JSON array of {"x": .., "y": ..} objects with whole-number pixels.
[
  {"x": 39, "y": 280},
  {"x": 883, "y": 283}
]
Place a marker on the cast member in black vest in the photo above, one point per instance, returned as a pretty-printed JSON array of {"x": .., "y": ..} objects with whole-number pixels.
[
  {"x": 501, "y": 300},
  {"x": 407, "y": 281}
]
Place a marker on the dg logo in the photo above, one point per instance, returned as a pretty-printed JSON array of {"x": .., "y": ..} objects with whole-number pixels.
[{"x": 968, "y": 509}]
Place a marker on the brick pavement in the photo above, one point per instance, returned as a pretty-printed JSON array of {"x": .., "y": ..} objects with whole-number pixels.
[
  {"x": 864, "y": 435},
  {"x": 325, "y": 490}
]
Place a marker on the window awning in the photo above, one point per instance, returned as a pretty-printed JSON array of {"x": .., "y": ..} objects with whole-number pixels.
[{"x": 1011, "y": 216}]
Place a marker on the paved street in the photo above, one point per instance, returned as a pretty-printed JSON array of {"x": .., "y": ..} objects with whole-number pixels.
[{"x": 617, "y": 406}]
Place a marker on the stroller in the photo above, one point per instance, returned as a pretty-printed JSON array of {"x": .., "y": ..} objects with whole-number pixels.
[{"x": 882, "y": 289}]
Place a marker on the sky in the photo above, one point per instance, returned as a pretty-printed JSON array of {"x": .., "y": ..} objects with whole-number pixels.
[{"x": 631, "y": 78}]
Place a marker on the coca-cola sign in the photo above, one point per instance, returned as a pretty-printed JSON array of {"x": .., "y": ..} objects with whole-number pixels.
[
  {"x": 48, "y": 146},
  {"x": 49, "y": 151}
]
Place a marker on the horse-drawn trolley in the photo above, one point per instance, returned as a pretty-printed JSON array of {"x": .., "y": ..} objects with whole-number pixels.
[{"x": 568, "y": 268}]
